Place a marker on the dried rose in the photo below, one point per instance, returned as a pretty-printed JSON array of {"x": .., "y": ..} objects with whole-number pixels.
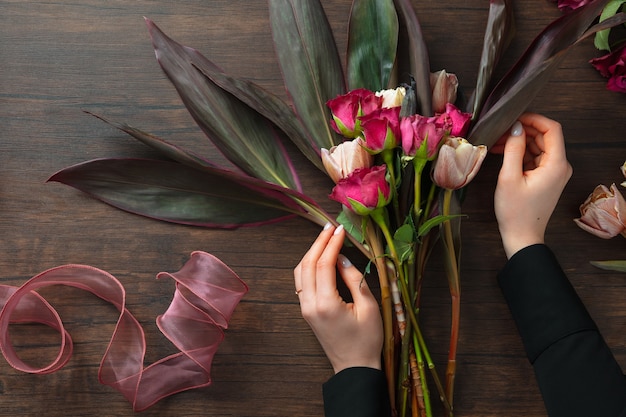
[
  {"x": 602, "y": 213},
  {"x": 613, "y": 67}
]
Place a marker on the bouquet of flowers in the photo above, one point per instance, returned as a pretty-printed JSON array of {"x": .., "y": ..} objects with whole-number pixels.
[{"x": 377, "y": 140}]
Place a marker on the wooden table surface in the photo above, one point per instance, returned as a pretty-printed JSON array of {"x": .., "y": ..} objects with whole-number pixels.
[{"x": 59, "y": 57}]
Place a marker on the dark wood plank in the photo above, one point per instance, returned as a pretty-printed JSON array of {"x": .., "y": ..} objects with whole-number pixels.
[{"x": 59, "y": 57}]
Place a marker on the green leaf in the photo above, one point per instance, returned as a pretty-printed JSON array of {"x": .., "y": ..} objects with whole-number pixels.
[
  {"x": 417, "y": 52},
  {"x": 173, "y": 192},
  {"x": 270, "y": 106},
  {"x": 601, "y": 40},
  {"x": 352, "y": 223},
  {"x": 520, "y": 86},
  {"x": 245, "y": 137},
  {"x": 429, "y": 224},
  {"x": 498, "y": 35},
  {"x": 372, "y": 44},
  {"x": 308, "y": 57},
  {"x": 619, "y": 266}
]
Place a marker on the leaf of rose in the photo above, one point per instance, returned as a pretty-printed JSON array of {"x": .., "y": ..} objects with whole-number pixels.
[
  {"x": 372, "y": 44},
  {"x": 308, "y": 57},
  {"x": 175, "y": 193},
  {"x": 510, "y": 98},
  {"x": 245, "y": 137}
]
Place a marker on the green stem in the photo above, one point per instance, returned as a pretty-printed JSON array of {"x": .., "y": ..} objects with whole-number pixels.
[{"x": 455, "y": 294}]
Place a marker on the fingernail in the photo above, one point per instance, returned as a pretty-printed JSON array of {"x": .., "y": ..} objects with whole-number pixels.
[
  {"x": 517, "y": 129},
  {"x": 345, "y": 262},
  {"x": 338, "y": 229},
  {"x": 328, "y": 226}
]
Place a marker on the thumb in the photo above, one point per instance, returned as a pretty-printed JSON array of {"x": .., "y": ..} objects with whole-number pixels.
[
  {"x": 514, "y": 151},
  {"x": 354, "y": 280}
]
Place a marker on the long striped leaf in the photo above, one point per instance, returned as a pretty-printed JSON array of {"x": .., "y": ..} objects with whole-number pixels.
[
  {"x": 173, "y": 192},
  {"x": 245, "y": 137},
  {"x": 529, "y": 75},
  {"x": 308, "y": 57},
  {"x": 372, "y": 44}
]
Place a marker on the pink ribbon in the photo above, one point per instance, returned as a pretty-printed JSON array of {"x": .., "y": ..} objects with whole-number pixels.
[{"x": 207, "y": 292}]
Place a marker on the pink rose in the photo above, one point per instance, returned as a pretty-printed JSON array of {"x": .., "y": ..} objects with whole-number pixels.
[
  {"x": 381, "y": 129},
  {"x": 602, "y": 213},
  {"x": 346, "y": 157},
  {"x": 458, "y": 163},
  {"x": 454, "y": 120},
  {"x": 421, "y": 136},
  {"x": 364, "y": 190},
  {"x": 613, "y": 67},
  {"x": 346, "y": 110}
]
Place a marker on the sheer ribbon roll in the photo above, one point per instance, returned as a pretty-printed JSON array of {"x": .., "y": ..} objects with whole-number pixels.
[{"x": 207, "y": 292}]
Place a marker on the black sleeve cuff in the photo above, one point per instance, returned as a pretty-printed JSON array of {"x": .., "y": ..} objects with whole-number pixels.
[
  {"x": 542, "y": 301},
  {"x": 357, "y": 392}
]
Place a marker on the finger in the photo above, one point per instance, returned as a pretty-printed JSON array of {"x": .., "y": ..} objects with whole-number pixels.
[
  {"x": 305, "y": 271},
  {"x": 514, "y": 153},
  {"x": 353, "y": 279},
  {"x": 326, "y": 275},
  {"x": 553, "y": 142}
]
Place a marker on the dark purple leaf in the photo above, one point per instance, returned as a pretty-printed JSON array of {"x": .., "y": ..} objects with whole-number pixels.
[
  {"x": 245, "y": 137},
  {"x": 176, "y": 193}
]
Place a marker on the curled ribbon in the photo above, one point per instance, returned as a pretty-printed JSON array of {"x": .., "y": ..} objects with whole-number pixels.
[{"x": 207, "y": 292}]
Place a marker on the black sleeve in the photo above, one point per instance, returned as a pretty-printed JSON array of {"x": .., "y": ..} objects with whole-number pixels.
[
  {"x": 575, "y": 369},
  {"x": 357, "y": 392}
]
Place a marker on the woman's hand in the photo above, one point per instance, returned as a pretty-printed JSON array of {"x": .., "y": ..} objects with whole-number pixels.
[
  {"x": 534, "y": 173},
  {"x": 351, "y": 334}
]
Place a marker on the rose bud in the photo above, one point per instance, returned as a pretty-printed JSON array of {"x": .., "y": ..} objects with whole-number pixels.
[
  {"x": 346, "y": 110},
  {"x": 381, "y": 129},
  {"x": 364, "y": 190},
  {"x": 421, "y": 136}
]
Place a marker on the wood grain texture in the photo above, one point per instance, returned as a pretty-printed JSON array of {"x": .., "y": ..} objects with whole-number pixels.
[{"x": 58, "y": 58}]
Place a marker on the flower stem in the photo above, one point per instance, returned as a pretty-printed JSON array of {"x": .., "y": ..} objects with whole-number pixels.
[{"x": 455, "y": 294}]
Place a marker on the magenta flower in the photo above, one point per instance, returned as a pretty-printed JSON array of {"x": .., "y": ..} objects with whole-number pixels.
[
  {"x": 454, "y": 120},
  {"x": 613, "y": 67},
  {"x": 348, "y": 108},
  {"x": 603, "y": 212},
  {"x": 364, "y": 190},
  {"x": 421, "y": 136},
  {"x": 458, "y": 163},
  {"x": 381, "y": 129}
]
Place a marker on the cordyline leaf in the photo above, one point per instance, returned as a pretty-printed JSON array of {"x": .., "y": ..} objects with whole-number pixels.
[
  {"x": 270, "y": 106},
  {"x": 310, "y": 64},
  {"x": 498, "y": 35},
  {"x": 524, "y": 81},
  {"x": 619, "y": 266},
  {"x": 175, "y": 193},
  {"x": 245, "y": 137},
  {"x": 418, "y": 56},
  {"x": 372, "y": 44}
]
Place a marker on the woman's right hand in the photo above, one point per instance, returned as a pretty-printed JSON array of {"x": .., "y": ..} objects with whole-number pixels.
[{"x": 534, "y": 173}]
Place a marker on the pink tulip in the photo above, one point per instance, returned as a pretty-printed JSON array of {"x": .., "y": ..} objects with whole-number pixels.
[
  {"x": 346, "y": 110},
  {"x": 421, "y": 136},
  {"x": 364, "y": 190},
  {"x": 381, "y": 129},
  {"x": 602, "y": 213},
  {"x": 343, "y": 159},
  {"x": 458, "y": 163},
  {"x": 444, "y": 87}
]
